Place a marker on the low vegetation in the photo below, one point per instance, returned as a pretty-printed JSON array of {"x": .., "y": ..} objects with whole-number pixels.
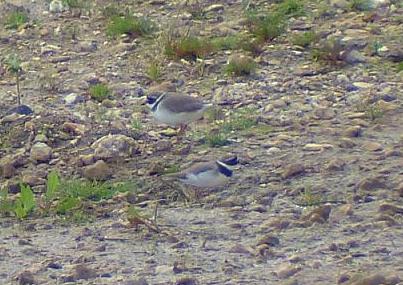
[
  {"x": 99, "y": 92},
  {"x": 330, "y": 51},
  {"x": 240, "y": 65},
  {"x": 291, "y": 8},
  {"x": 129, "y": 25},
  {"x": 65, "y": 198},
  {"x": 187, "y": 47},
  {"x": 304, "y": 39},
  {"x": 154, "y": 70},
  {"x": 16, "y": 19},
  {"x": 13, "y": 65},
  {"x": 360, "y": 5},
  {"x": 266, "y": 27}
]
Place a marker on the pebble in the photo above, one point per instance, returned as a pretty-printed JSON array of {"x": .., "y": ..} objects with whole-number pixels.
[
  {"x": 114, "y": 147},
  {"x": 82, "y": 271},
  {"x": 353, "y": 132},
  {"x": 26, "y": 278},
  {"x": 292, "y": 170},
  {"x": 186, "y": 281},
  {"x": 97, "y": 171},
  {"x": 318, "y": 215},
  {"x": 269, "y": 240},
  {"x": 41, "y": 152},
  {"x": 287, "y": 270},
  {"x": 372, "y": 146},
  {"x": 7, "y": 169},
  {"x": 336, "y": 164},
  {"x": 371, "y": 183}
]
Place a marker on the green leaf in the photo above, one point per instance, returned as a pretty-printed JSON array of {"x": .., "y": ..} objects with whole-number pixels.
[
  {"x": 19, "y": 210},
  {"x": 52, "y": 185},
  {"x": 27, "y": 198}
]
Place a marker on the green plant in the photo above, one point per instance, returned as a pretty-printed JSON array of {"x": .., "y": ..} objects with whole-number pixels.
[
  {"x": 6, "y": 206},
  {"x": 111, "y": 10},
  {"x": 24, "y": 204},
  {"x": 240, "y": 120},
  {"x": 52, "y": 185},
  {"x": 266, "y": 27},
  {"x": 13, "y": 64},
  {"x": 360, "y": 5},
  {"x": 304, "y": 39},
  {"x": 79, "y": 4},
  {"x": 174, "y": 168},
  {"x": 240, "y": 65},
  {"x": 216, "y": 138},
  {"x": 308, "y": 198},
  {"x": 136, "y": 125},
  {"x": 375, "y": 47},
  {"x": 187, "y": 47},
  {"x": 154, "y": 70},
  {"x": 99, "y": 92},
  {"x": 129, "y": 25},
  {"x": 226, "y": 43},
  {"x": 16, "y": 19},
  {"x": 291, "y": 8},
  {"x": 400, "y": 66}
]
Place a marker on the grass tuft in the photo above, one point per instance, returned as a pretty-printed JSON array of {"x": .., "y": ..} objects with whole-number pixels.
[
  {"x": 16, "y": 19},
  {"x": 187, "y": 47},
  {"x": 99, "y": 92},
  {"x": 129, "y": 25},
  {"x": 266, "y": 27},
  {"x": 240, "y": 65},
  {"x": 305, "y": 39},
  {"x": 291, "y": 8},
  {"x": 360, "y": 5}
]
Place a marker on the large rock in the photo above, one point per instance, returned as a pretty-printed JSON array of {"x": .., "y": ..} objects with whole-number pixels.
[
  {"x": 114, "y": 147},
  {"x": 41, "y": 152}
]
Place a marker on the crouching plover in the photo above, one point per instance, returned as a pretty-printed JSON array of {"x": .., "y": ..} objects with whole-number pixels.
[{"x": 208, "y": 174}]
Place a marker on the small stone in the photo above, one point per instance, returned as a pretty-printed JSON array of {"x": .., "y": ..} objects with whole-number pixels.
[
  {"x": 336, "y": 164},
  {"x": 214, "y": 8},
  {"x": 141, "y": 281},
  {"x": 32, "y": 179},
  {"x": 56, "y": 6},
  {"x": 390, "y": 209},
  {"x": 97, "y": 171},
  {"x": 73, "y": 128},
  {"x": 346, "y": 209},
  {"x": 346, "y": 143},
  {"x": 269, "y": 240},
  {"x": 318, "y": 215},
  {"x": 41, "y": 152},
  {"x": 293, "y": 170},
  {"x": 354, "y": 57},
  {"x": 166, "y": 86},
  {"x": 73, "y": 98},
  {"x": 7, "y": 169},
  {"x": 387, "y": 106},
  {"x": 186, "y": 281},
  {"x": 20, "y": 110},
  {"x": 317, "y": 147},
  {"x": 82, "y": 271},
  {"x": 375, "y": 279},
  {"x": 324, "y": 113},
  {"x": 363, "y": 85},
  {"x": 86, "y": 159},
  {"x": 353, "y": 132},
  {"x": 241, "y": 249},
  {"x": 343, "y": 278},
  {"x": 26, "y": 278},
  {"x": 114, "y": 147},
  {"x": 341, "y": 4},
  {"x": 373, "y": 146},
  {"x": 371, "y": 183},
  {"x": 287, "y": 270}
]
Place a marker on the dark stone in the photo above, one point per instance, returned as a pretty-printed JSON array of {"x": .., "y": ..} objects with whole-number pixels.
[{"x": 21, "y": 110}]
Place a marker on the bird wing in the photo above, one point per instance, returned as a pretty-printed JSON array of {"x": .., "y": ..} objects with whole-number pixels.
[{"x": 182, "y": 103}]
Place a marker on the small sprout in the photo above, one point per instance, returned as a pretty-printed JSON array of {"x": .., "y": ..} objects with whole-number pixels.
[
  {"x": 174, "y": 168},
  {"x": 16, "y": 20},
  {"x": 239, "y": 65},
  {"x": 226, "y": 43},
  {"x": 216, "y": 138},
  {"x": 154, "y": 70},
  {"x": 376, "y": 47},
  {"x": 136, "y": 125},
  {"x": 400, "y": 67},
  {"x": 129, "y": 25},
  {"x": 99, "y": 92},
  {"x": 305, "y": 39},
  {"x": 266, "y": 27},
  {"x": 13, "y": 64}
]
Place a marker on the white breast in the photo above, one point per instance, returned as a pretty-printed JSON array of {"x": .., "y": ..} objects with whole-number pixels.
[
  {"x": 209, "y": 178},
  {"x": 174, "y": 119}
]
